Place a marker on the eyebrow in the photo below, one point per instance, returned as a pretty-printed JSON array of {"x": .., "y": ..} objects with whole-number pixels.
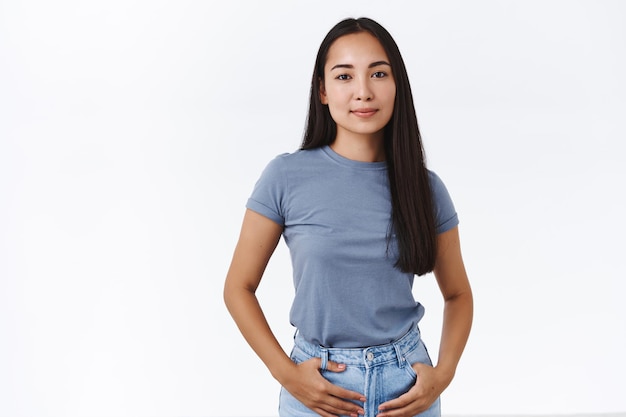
[{"x": 372, "y": 65}]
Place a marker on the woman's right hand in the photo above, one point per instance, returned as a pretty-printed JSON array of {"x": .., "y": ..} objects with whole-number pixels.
[
  {"x": 257, "y": 241},
  {"x": 307, "y": 384}
]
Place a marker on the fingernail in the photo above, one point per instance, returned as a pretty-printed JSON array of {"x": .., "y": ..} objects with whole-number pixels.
[{"x": 341, "y": 366}]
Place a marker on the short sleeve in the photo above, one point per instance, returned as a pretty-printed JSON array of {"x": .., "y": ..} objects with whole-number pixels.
[
  {"x": 445, "y": 214},
  {"x": 268, "y": 194}
]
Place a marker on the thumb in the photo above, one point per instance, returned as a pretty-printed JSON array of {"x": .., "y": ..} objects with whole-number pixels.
[{"x": 335, "y": 367}]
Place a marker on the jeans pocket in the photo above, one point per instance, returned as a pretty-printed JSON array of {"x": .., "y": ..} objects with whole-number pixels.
[
  {"x": 298, "y": 355},
  {"x": 418, "y": 355}
]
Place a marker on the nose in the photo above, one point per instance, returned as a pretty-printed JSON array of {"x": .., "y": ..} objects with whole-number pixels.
[{"x": 364, "y": 92}]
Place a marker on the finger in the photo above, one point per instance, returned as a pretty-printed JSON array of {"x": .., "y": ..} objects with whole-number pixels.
[
  {"x": 342, "y": 399},
  {"x": 337, "y": 391},
  {"x": 314, "y": 362},
  {"x": 323, "y": 413},
  {"x": 346, "y": 407},
  {"x": 402, "y": 401},
  {"x": 337, "y": 412},
  {"x": 418, "y": 367},
  {"x": 412, "y": 410},
  {"x": 331, "y": 388},
  {"x": 335, "y": 367},
  {"x": 335, "y": 405},
  {"x": 342, "y": 408}
]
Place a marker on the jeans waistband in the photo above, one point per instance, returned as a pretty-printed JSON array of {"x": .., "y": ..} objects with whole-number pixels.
[{"x": 366, "y": 356}]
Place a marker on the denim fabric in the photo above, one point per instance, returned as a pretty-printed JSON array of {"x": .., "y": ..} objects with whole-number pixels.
[{"x": 381, "y": 372}]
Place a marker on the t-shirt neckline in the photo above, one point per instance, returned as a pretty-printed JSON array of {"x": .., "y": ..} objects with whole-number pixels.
[{"x": 350, "y": 163}]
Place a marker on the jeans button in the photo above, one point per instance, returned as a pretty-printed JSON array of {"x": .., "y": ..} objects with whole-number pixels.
[{"x": 370, "y": 356}]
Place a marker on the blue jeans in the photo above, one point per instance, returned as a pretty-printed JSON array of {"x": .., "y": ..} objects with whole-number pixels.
[{"x": 381, "y": 373}]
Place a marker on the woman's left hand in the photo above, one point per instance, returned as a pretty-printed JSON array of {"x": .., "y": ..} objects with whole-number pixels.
[{"x": 428, "y": 386}]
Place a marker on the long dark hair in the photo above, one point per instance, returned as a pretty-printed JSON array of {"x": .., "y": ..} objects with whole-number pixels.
[{"x": 413, "y": 218}]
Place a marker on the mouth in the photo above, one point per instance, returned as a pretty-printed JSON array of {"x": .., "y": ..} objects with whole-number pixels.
[{"x": 364, "y": 113}]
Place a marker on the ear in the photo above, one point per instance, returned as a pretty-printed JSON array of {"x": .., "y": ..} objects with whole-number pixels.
[{"x": 323, "y": 97}]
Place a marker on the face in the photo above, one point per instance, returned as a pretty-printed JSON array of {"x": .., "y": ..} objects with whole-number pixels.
[{"x": 358, "y": 86}]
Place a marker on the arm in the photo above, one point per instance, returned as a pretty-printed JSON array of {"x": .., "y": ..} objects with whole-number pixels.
[
  {"x": 257, "y": 242},
  {"x": 457, "y": 321},
  {"x": 459, "y": 303}
]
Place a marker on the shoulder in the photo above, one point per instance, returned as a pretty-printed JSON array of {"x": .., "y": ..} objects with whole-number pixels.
[
  {"x": 298, "y": 156},
  {"x": 435, "y": 181},
  {"x": 437, "y": 187},
  {"x": 286, "y": 162},
  {"x": 445, "y": 212}
]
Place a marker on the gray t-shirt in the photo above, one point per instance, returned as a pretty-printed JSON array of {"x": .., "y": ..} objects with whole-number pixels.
[{"x": 336, "y": 215}]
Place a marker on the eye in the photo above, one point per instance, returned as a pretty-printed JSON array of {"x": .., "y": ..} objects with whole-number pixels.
[
  {"x": 343, "y": 77},
  {"x": 379, "y": 74}
]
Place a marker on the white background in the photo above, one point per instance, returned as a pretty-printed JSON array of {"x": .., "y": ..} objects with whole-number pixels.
[{"x": 132, "y": 132}]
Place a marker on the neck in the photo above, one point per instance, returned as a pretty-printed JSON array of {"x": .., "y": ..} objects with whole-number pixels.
[{"x": 364, "y": 148}]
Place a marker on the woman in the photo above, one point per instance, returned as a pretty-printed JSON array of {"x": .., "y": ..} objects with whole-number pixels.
[{"x": 361, "y": 216}]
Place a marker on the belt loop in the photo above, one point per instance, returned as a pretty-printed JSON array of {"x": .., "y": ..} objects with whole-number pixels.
[
  {"x": 399, "y": 355},
  {"x": 324, "y": 358}
]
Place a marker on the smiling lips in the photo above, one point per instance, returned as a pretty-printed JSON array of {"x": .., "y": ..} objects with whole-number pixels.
[{"x": 364, "y": 113}]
